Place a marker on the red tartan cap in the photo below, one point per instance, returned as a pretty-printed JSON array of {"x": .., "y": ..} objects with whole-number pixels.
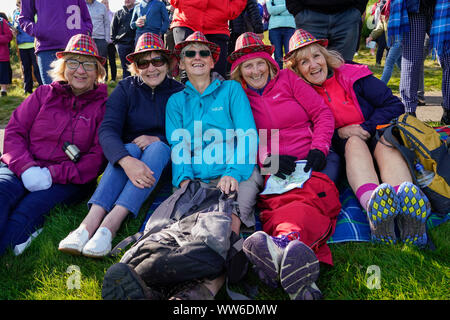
[
  {"x": 148, "y": 42},
  {"x": 198, "y": 37},
  {"x": 300, "y": 39},
  {"x": 249, "y": 42},
  {"x": 81, "y": 44}
]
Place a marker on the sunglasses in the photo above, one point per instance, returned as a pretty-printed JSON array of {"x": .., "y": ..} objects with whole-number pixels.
[
  {"x": 87, "y": 65},
  {"x": 156, "y": 62},
  {"x": 193, "y": 53}
]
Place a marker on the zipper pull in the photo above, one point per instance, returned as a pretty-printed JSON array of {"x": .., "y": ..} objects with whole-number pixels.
[{"x": 329, "y": 98}]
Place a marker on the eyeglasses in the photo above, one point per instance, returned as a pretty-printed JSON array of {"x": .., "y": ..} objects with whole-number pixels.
[
  {"x": 156, "y": 62},
  {"x": 87, "y": 65},
  {"x": 193, "y": 53}
]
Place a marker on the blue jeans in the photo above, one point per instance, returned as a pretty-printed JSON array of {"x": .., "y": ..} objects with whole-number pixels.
[
  {"x": 279, "y": 37},
  {"x": 341, "y": 29},
  {"x": 394, "y": 57},
  {"x": 22, "y": 212},
  {"x": 116, "y": 189},
  {"x": 123, "y": 50},
  {"x": 44, "y": 59}
]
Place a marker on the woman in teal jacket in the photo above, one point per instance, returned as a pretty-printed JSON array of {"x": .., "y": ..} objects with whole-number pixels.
[{"x": 213, "y": 137}]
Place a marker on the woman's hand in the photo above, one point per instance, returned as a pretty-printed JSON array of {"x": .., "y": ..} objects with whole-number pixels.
[
  {"x": 182, "y": 183},
  {"x": 36, "y": 179},
  {"x": 138, "y": 172},
  {"x": 140, "y": 22},
  {"x": 228, "y": 184},
  {"x": 353, "y": 130},
  {"x": 144, "y": 141}
]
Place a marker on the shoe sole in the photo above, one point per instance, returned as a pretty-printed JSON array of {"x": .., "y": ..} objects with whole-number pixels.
[
  {"x": 261, "y": 252},
  {"x": 413, "y": 214},
  {"x": 122, "y": 283},
  {"x": 299, "y": 268},
  {"x": 381, "y": 212},
  {"x": 96, "y": 255},
  {"x": 71, "y": 251}
]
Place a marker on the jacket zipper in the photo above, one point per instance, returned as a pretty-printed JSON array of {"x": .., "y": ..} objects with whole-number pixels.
[{"x": 324, "y": 236}]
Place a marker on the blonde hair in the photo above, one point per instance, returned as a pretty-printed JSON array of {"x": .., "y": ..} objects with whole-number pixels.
[
  {"x": 333, "y": 58},
  {"x": 134, "y": 70},
  {"x": 58, "y": 67},
  {"x": 237, "y": 73}
]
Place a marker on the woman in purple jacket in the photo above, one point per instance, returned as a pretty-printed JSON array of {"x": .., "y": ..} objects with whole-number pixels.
[
  {"x": 51, "y": 146},
  {"x": 360, "y": 102}
]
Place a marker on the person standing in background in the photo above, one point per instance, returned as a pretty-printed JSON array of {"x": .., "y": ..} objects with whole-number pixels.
[
  {"x": 335, "y": 20},
  {"x": 57, "y": 22},
  {"x": 101, "y": 32},
  {"x": 215, "y": 16},
  {"x": 281, "y": 28},
  {"x": 111, "y": 47},
  {"x": 25, "y": 44},
  {"x": 122, "y": 35},
  {"x": 150, "y": 16},
  {"x": 5, "y": 66}
]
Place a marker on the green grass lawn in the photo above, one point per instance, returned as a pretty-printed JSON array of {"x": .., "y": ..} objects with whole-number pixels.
[{"x": 406, "y": 272}]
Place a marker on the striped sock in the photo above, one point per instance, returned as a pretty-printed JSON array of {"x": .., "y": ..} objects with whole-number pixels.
[{"x": 364, "y": 192}]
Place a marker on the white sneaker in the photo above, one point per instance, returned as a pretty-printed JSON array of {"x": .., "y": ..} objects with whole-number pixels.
[
  {"x": 75, "y": 241},
  {"x": 99, "y": 245}
]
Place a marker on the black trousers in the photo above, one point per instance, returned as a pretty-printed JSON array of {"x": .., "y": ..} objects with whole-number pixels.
[{"x": 29, "y": 64}]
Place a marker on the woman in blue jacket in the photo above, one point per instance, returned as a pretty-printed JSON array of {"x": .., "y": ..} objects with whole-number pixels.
[
  {"x": 133, "y": 140},
  {"x": 213, "y": 137}
]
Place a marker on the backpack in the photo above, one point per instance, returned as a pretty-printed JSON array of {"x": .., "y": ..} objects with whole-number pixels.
[{"x": 420, "y": 143}]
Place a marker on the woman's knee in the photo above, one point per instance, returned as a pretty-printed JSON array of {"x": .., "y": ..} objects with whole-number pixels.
[
  {"x": 355, "y": 145},
  {"x": 133, "y": 150},
  {"x": 157, "y": 148}
]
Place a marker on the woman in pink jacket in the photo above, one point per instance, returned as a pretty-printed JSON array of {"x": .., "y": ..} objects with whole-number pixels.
[
  {"x": 294, "y": 123},
  {"x": 51, "y": 147}
]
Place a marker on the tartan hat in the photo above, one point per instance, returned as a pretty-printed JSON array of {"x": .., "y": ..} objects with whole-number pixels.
[
  {"x": 81, "y": 44},
  {"x": 148, "y": 42},
  {"x": 249, "y": 42},
  {"x": 300, "y": 39},
  {"x": 198, "y": 37}
]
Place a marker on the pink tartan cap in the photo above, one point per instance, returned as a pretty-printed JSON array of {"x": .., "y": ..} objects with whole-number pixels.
[
  {"x": 81, "y": 44},
  {"x": 198, "y": 37},
  {"x": 249, "y": 42},
  {"x": 148, "y": 42},
  {"x": 302, "y": 38}
]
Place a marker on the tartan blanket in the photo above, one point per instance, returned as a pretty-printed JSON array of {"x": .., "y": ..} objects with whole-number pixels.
[{"x": 352, "y": 223}]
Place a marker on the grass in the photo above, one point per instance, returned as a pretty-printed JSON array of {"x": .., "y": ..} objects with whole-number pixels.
[{"x": 43, "y": 273}]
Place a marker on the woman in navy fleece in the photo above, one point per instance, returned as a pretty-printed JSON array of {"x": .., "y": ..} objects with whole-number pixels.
[{"x": 132, "y": 136}]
